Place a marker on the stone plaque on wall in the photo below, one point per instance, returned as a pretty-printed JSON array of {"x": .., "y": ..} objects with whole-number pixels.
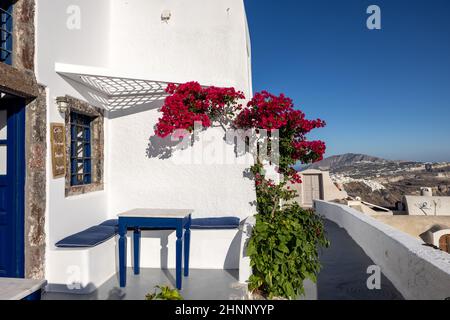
[{"x": 58, "y": 145}]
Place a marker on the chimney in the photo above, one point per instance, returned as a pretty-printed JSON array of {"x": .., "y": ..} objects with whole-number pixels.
[{"x": 426, "y": 192}]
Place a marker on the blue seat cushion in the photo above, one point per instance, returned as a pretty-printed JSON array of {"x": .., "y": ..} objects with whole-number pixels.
[
  {"x": 90, "y": 237},
  {"x": 215, "y": 223},
  {"x": 96, "y": 235},
  {"x": 111, "y": 223}
]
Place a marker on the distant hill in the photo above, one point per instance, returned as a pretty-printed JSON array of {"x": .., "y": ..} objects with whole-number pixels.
[
  {"x": 384, "y": 182},
  {"x": 347, "y": 160}
]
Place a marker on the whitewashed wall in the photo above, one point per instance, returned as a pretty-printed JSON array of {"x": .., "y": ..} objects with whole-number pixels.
[
  {"x": 417, "y": 271},
  {"x": 204, "y": 40},
  {"x": 427, "y": 206},
  {"x": 88, "y": 45}
]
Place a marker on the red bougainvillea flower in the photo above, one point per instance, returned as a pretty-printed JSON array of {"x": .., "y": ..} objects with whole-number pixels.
[
  {"x": 295, "y": 178},
  {"x": 308, "y": 151},
  {"x": 190, "y": 102},
  {"x": 267, "y": 111}
]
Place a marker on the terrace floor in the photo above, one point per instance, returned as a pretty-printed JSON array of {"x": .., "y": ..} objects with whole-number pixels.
[
  {"x": 342, "y": 277},
  {"x": 344, "y": 271}
]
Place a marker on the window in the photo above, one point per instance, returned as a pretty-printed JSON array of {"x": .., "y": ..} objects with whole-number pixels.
[
  {"x": 80, "y": 149},
  {"x": 6, "y": 26},
  {"x": 84, "y": 125}
]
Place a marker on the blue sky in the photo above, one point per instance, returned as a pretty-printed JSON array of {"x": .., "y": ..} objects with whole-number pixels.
[{"x": 382, "y": 92}]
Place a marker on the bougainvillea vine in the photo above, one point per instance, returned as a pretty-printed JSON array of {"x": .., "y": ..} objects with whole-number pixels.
[
  {"x": 190, "y": 102},
  {"x": 270, "y": 112},
  {"x": 285, "y": 238}
]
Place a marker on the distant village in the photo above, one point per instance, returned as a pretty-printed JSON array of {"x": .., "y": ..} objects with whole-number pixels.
[{"x": 409, "y": 196}]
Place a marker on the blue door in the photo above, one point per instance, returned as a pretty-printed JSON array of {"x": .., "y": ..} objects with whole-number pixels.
[{"x": 12, "y": 184}]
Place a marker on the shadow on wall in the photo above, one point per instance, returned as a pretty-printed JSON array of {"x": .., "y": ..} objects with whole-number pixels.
[
  {"x": 164, "y": 148},
  {"x": 231, "y": 259},
  {"x": 161, "y": 148},
  {"x": 163, "y": 235},
  {"x": 118, "y": 105},
  {"x": 137, "y": 108},
  {"x": 233, "y": 254}
]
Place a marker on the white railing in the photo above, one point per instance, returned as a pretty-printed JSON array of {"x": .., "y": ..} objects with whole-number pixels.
[{"x": 417, "y": 271}]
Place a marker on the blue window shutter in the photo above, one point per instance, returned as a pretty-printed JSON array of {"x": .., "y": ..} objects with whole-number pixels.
[
  {"x": 80, "y": 154},
  {"x": 6, "y": 28}
]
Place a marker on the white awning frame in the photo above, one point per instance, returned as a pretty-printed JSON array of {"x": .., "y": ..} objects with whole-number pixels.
[{"x": 110, "y": 91}]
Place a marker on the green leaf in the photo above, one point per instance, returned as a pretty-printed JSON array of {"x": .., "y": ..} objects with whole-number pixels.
[
  {"x": 166, "y": 293},
  {"x": 283, "y": 248}
]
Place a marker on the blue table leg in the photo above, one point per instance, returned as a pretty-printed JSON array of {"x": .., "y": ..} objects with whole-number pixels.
[
  {"x": 179, "y": 255},
  {"x": 34, "y": 296},
  {"x": 137, "y": 251},
  {"x": 122, "y": 254},
  {"x": 187, "y": 247}
]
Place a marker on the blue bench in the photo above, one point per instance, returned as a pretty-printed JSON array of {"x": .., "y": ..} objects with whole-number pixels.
[
  {"x": 88, "y": 238},
  {"x": 96, "y": 235},
  {"x": 215, "y": 223}
]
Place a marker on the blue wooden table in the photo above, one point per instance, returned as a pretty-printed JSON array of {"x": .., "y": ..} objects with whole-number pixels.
[{"x": 137, "y": 219}]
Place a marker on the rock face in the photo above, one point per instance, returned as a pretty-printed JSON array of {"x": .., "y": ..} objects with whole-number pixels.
[
  {"x": 385, "y": 197},
  {"x": 385, "y": 182},
  {"x": 345, "y": 160},
  {"x": 395, "y": 191}
]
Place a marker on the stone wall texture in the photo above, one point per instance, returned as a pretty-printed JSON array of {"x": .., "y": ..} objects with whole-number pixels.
[
  {"x": 35, "y": 190},
  {"x": 19, "y": 79},
  {"x": 24, "y": 35},
  {"x": 97, "y": 146}
]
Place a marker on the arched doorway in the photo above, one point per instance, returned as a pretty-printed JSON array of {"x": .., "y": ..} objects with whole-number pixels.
[{"x": 444, "y": 243}]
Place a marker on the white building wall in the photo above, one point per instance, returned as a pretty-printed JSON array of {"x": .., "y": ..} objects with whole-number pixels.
[
  {"x": 427, "y": 205},
  {"x": 87, "y": 45},
  {"x": 204, "y": 40},
  {"x": 55, "y": 42},
  {"x": 328, "y": 191}
]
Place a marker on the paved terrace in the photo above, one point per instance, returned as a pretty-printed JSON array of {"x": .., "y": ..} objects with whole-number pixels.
[{"x": 343, "y": 277}]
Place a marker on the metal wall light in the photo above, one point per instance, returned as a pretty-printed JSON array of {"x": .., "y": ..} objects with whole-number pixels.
[
  {"x": 166, "y": 15},
  {"x": 62, "y": 104}
]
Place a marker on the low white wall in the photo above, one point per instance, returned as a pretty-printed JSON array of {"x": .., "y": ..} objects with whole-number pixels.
[
  {"x": 88, "y": 268},
  {"x": 417, "y": 271},
  {"x": 427, "y": 206},
  {"x": 210, "y": 249}
]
